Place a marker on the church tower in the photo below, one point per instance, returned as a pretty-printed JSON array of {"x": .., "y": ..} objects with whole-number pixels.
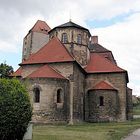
[
  {"x": 75, "y": 38},
  {"x": 36, "y": 38}
]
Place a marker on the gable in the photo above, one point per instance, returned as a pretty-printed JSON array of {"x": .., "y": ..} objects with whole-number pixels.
[
  {"x": 53, "y": 51},
  {"x": 41, "y": 26},
  {"x": 103, "y": 85},
  {"x": 45, "y": 72}
]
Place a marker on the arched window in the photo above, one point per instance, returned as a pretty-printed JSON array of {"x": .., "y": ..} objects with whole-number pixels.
[
  {"x": 36, "y": 95},
  {"x": 64, "y": 38},
  {"x": 59, "y": 96},
  {"x": 101, "y": 98},
  {"x": 79, "y": 39}
]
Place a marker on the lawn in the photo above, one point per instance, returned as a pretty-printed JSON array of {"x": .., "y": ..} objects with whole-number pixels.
[
  {"x": 136, "y": 110},
  {"x": 85, "y": 131}
]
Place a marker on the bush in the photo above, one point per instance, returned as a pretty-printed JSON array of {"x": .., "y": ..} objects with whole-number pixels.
[
  {"x": 15, "y": 109},
  {"x": 5, "y": 70}
]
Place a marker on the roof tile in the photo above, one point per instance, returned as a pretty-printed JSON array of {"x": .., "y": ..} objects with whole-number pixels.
[
  {"x": 17, "y": 72},
  {"x": 98, "y": 64},
  {"x": 45, "y": 72},
  {"x": 41, "y": 26},
  {"x": 53, "y": 51},
  {"x": 104, "y": 85}
]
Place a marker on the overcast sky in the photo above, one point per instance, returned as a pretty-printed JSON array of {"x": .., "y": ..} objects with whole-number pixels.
[{"x": 116, "y": 22}]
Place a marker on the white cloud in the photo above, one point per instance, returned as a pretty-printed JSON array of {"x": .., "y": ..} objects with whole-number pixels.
[
  {"x": 123, "y": 39},
  {"x": 18, "y": 16}
]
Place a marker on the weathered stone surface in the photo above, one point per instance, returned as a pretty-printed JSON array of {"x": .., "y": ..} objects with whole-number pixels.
[
  {"x": 79, "y": 101},
  {"x": 48, "y": 110},
  {"x": 79, "y": 51},
  {"x": 118, "y": 80}
]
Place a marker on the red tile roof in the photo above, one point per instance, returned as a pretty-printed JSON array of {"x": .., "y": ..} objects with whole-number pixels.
[
  {"x": 45, "y": 72},
  {"x": 104, "y": 85},
  {"x": 53, "y": 51},
  {"x": 41, "y": 26},
  {"x": 98, "y": 64},
  {"x": 17, "y": 72},
  {"x": 109, "y": 56}
]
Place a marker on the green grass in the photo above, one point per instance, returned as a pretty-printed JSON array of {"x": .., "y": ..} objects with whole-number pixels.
[
  {"x": 136, "y": 110},
  {"x": 85, "y": 131}
]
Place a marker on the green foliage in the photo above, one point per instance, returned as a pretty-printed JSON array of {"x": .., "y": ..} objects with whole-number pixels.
[
  {"x": 15, "y": 109},
  {"x": 5, "y": 70}
]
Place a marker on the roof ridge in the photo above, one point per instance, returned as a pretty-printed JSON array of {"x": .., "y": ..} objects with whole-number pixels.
[
  {"x": 111, "y": 62},
  {"x": 46, "y": 65},
  {"x": 103, "y": 65},
  {"x": 56, "y": 70},
  {"x": 62, "y": 56},
  {"x": 95, "y": 45},
  {"x": 104, "y": 85}
]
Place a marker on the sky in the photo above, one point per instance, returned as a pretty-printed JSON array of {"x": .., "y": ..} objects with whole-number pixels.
[{"x": 116, "y": 22}]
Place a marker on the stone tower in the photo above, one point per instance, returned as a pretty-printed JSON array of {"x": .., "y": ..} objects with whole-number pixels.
[
  {"x": 36, "y": 38},
  {"x": 75, "y": 38}
]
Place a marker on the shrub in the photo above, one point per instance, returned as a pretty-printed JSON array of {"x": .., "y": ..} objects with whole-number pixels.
[{"x": 15, "y": 109}]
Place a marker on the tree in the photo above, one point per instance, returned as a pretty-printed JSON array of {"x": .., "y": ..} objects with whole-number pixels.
[
  {"x": 15, "y": 109},
  {"x": 5, "y": 70}
]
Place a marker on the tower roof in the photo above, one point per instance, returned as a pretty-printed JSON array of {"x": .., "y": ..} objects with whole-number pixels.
[
  {"x": 45, "y": 72},
  {"x": 41, "y": 26},
  {"x": 53, "y": 51},
  {"x": 70, "y": 24}
]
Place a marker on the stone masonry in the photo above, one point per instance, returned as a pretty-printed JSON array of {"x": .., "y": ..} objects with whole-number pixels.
[{"x": 72, "y": 78}]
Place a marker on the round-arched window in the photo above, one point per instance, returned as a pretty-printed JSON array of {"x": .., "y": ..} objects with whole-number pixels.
[
  {"x": 36, "y": 95},
  {"x": 59, "y": 96},
  {"x": 101, "y": 99}
]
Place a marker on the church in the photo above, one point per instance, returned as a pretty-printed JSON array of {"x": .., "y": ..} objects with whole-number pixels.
[{"x": 71, "y": 78}]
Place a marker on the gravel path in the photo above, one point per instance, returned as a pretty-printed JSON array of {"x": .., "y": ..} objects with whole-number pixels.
[{"x": 134, "y": 136}]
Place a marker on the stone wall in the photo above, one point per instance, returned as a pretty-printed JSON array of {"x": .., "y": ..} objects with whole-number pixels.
[
  {"x": 27, "y": 46},
  {"x": 78, "y": 94},
  {"x": 101, "y": 105},
  {"x": 65, "y": 68},
  {"x": 48, "y": 110},
  {"x": 28, "y": 69},
  {"x": 38, "y": 41},
  {"x": 72, "y": 35},
  {"x": 129, "y": 104},
  {"x": 118, "y": 80},
  {"x": 32, "y": 42},
  {"x": 75, "y": 74},
  {"x": 79, "y": 51}
]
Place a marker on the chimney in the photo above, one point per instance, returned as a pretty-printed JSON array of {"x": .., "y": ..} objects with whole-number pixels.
[{"x": 94, "y": 40}]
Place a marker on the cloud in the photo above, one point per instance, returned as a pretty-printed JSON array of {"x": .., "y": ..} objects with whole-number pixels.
[
  {"x": 123, "y": 39},
  {"x": 18, "y": 16}
]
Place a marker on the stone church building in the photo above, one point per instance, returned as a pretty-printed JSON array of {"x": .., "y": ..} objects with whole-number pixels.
[{"x": 71, "y": 77}]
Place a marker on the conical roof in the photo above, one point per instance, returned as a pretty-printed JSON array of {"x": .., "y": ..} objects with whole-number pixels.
[{"x": 70, "y": 24}]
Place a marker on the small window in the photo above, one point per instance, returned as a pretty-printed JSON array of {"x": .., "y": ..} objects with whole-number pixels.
[
  {"x": 64, "y": 38},
  {"x": 36, "y": 95},
  {"x": 79, "y": 39},
  {"x": 59, "y": 96},
  {"x": 25, "y": 51},
  {"x": 101, "y": 98}
]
